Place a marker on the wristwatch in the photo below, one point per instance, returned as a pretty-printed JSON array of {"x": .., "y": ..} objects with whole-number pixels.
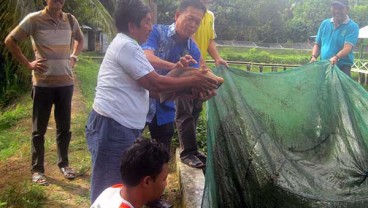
[
  {"x": 313, "y": 56},
  {"x": 75, "y": 58},
  {"x": 338, "y": 58}
]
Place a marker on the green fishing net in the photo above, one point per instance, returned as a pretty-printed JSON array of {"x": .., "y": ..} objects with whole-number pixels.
[{"x": 297, "y": 138}]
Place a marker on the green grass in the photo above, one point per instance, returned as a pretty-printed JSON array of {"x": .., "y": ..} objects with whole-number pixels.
[
  {"x": 25, "y": 195},
  {"x": 10, "y": 137},
  {"x": 261, "y": 55},
  {"x": 15, "y": 140},
  {"x": 87, "y": 73}
]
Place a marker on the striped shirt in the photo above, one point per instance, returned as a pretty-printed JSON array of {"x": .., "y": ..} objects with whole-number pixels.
[{"x": 51, "y": 40}]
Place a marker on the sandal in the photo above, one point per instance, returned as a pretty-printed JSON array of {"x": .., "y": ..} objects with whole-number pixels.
[
  {"x": 68, "y": 172},
  {"x": 39, "y": 178},
  {"x": 201, "y": 157},
  {"x": 193, "y": 161}
]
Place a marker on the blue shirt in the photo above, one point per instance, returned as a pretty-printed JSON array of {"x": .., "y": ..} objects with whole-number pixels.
[
  {"x": 163, "y": 42},
  {"x": 331, "y": 40}
]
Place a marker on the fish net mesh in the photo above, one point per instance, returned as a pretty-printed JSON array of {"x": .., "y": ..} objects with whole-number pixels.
[{"x": 297, "y": 138}]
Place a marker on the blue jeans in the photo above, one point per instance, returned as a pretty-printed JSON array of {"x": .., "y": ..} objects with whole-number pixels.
[{"x": 107, "y": 140}]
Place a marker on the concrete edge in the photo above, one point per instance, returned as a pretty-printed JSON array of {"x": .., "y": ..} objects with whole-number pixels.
[{"x": 191, "y": 182}]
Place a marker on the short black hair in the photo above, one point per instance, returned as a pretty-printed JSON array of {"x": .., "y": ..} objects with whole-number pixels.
[
  {"x": 129, "y": 11},
  {"x": 184, "y": 4},
  {"x": 144, "y": 158}
]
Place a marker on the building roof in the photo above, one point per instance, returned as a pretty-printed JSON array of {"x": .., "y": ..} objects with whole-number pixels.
[{"x": 363, "y": 32}]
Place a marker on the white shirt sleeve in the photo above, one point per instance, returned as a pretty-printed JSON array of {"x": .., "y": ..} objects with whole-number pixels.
[{"x": 133, "y": 60}]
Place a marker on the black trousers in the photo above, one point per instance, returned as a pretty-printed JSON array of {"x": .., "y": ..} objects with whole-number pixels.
[
  {"x": 163, "y": 133},
  {"x": 346, "y": 69},
  {"x": 43, "y": 99},
  {"x": 187, "y": 114}
]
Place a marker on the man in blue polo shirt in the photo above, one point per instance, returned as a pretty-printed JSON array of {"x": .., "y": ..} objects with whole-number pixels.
[
  {"x": 336, "y": 38},
  {"x": 167, "y": 48}
]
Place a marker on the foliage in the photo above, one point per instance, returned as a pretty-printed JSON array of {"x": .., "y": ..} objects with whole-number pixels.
[
  {"x": 306, "y": 18},
  {"x": 266, "y": 20},
  {"x": 22, "y": 195},
  {"x": 359, "y": 15},
  {"x": 166, "y": 11}
]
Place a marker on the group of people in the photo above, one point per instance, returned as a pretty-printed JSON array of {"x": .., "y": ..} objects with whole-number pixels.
[{"x": 131, "y": 76}]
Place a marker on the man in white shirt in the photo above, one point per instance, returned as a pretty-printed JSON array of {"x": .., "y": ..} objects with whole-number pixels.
[
  {"x": 140, "y": 185},
  {"x": 121, "y": 101}
]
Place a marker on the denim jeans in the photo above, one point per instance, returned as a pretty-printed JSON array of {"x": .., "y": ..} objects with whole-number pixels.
[
  {"x": 43, "y": 99},
  {"x": 107, "y": 140}
]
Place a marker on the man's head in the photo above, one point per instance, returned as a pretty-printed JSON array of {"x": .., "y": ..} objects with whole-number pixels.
[
  {"x": 145, "y": 166},
  {"x": 205, "y": 2},
  {"x": 188, "y": 17},
  {"x": 133, "y": 18},
  {"x": 55, "y": 4},
  {"x": 339, "y": 10}
]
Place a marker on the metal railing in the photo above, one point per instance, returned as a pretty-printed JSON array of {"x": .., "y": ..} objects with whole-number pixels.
[{"x": 250, "y": 65}]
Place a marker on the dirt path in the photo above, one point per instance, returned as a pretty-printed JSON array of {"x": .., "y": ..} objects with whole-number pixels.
[{"x": 61, "y": 192}]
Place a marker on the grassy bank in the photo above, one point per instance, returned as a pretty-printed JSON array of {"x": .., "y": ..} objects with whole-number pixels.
[{"x": 16, "y": 190}]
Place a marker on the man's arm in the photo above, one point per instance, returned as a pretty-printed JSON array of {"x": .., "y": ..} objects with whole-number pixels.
[
  {"x": 342, "y": 53},
  {"x": 159, "y": 63},
  {"x": 15, "y": 50},
  {"x": 315, "y": 53},
  {"x": 158, "y": 83},
  {"x": 212, "y": 50},
  {"x": 78, "y": 44},
  {"x": 156, "y": 62}
]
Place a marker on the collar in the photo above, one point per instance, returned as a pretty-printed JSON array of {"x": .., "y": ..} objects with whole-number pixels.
[
  {"x": 346, "y": 21},
  {"x": 128, "y": 37},
  {"x": 172, "y": 33},
  {"x": 45, "y": 12}
]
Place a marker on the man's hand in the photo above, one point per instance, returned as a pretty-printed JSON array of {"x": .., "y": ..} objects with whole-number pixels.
[
  {"x": 206, "y": 95},
  {"x": 38, "y": 65},
  {"x": 185, "y": 61},
  {"x": 72, "y": 62},
  {"x": 203, "y": 82},
  {"x": 334, "y": 60},
  {"x": 220, "y": 61},
  {"x": 313, "y": 59}
]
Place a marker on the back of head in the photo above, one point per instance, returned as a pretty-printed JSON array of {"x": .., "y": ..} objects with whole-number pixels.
[
  {"x": 184, "y": 4},
  {"x": 144, "y": 158},
  {"x": 129, "y": 11}
]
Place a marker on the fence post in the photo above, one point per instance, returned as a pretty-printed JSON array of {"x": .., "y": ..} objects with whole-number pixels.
[
  {"x": 260, "y": 68},
  {"x": 248, "y": 67},
  {"x": 284, "y": 68}
]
